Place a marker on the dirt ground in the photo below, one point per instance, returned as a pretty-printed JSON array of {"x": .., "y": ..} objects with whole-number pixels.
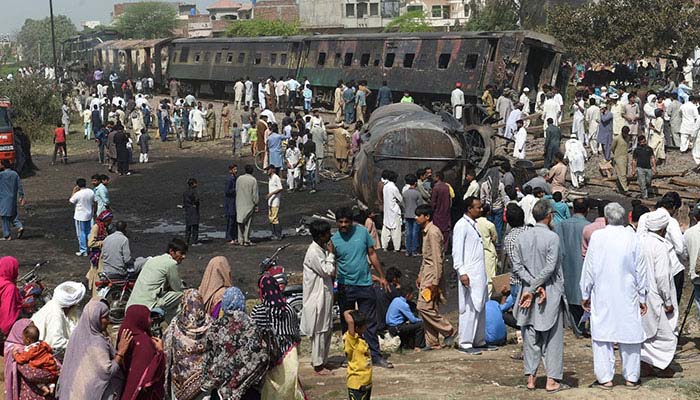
[{"x": 149, "y": 199}]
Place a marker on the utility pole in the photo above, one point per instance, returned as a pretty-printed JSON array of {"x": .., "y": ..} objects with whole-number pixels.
[{"x": 53, "y": 42}]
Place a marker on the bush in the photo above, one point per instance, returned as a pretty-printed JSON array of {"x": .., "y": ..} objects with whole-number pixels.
[{"x": 35, "y": 102}]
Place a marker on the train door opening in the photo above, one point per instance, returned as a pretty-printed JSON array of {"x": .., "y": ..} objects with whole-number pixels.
[{"x": 538, "y": 60}]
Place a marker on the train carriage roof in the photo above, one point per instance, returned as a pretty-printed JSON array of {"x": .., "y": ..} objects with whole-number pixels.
[
  {"x": 130, "y": 44},
  {"x": 541, "y": 39}
]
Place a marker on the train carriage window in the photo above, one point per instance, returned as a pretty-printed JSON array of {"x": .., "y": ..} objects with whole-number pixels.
[
  {"x": 206, "y": 56},
  {"x": 408, "y": 60},
  {"x": 273, "y": 58},
  {"x": 471, "y": 61},
  {"x": 241, "y": 58},
  {"x": 283, "y": 59},
  {"x": 197, "y": 58},
  {"x": 444, "y": 60},
  {"x": 376, "y": 62},
  {"x": 348, "y": 59},
  {"x": 184, "y": 54},
  {"x": 258, "y": 59},
  {"x": 321, "y": 59},
  {"x": 217, "y": 58},
  {"x": 364, "y": 59},
  {"x": 229, "y": 58},
  {"x": 493, "y": 43},
  {"x": 176, "y": 57},
  {"x": 389, "y": 60}
]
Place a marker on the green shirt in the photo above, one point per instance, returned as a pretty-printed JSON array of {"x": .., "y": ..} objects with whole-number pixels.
[
  {"x": 158, "y": 276},
  {"x": 351, "y": 256},
  {"x": 407, "y": 99}
]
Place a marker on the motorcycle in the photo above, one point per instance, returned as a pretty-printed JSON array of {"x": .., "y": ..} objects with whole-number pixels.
[
  {"x": 33, "y": 292},
  {"x": 293, "y": 293},
  {"x": 116, "y": 292}
]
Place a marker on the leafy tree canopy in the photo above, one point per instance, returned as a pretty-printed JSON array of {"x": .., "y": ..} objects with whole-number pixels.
[
  {"x": 493, "y": 15},
  {"x": 619, "y": 30},
  {"x": 262, "y": 27},
  {"x": 147, "y": 20},
  {"x": 412, "y": 21},
  {"x": 35, "y": 38}
]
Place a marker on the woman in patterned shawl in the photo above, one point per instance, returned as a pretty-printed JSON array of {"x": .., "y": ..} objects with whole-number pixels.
[
  {"x": 184, "y": 343},
  {"x": 237, "y": 358}
]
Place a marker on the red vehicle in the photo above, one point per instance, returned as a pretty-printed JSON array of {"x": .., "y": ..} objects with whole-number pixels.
[{"x": 7, "y": 137}]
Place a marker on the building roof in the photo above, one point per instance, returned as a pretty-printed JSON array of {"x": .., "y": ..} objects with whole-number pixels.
[
  {"x": 130, "y": 44},
  {"x": 225, "y": 4}
]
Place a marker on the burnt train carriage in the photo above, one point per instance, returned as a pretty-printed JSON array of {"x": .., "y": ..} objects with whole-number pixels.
[
  {"x": 213, "y": 65},
  {"x": 427, "y": 65},
  {"x": 134, "y": 59},
  {"x": 77, "y": 51}
]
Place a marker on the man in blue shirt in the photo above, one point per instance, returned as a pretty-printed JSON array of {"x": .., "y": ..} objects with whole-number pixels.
[
  {"x": 402, "y": 322},
  {"x": 353, "y": 245},
  {"x": 384, "y": 95},
  {"x": 495, "y": 325}
]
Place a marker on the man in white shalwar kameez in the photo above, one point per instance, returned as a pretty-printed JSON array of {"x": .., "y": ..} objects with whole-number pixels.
[
  {"x": 578, "y": 128},
  {"x": 550, "y": 109},
  {"x": 512, "y": 122},
  {"x": 613, "y": 289},
  {"x": 525, "y": 100},
  {"x": 317, "y": 314},
  {"x": 690, "y": 118},
  {"x": 576, "y": 154},
  {"x": 504, "y": 106},
  {"x": 457, "y": 100},
  {"x": 541, "y": 301},
  {"x": 661, "y": 320},
  {"x": 592, "y": 118},
  {"x": 469, "y": 262},
  {"x": 391, "y": 224},
  {"x": 520, "y": 139}
]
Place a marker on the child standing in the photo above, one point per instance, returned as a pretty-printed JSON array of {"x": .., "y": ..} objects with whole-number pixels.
[
  {"x": 292, "y": 158},
  {"x": 143, "y": 140},
  {"x": 190, "y": 202},
  {"x": 356, "y": 350},
  {"x": 39, "y": 355},
  {"x": 59, "y": 140},
  {"x": 310, "y": 162}
]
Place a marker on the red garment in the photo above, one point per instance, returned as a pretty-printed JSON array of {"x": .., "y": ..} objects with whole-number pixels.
[
  {"x": 144, "y": 364},
  {"x": 10, "y": 299},
  {"x": 441, "y": 202},
  {"x": 39, "y": 355},
  {"x": 59, "y": 135},
  {"x": 588, "y": 230}
]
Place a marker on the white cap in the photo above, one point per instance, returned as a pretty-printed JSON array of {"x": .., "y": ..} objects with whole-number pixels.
[
  {"x": 526, "y": 90},
  {"x": 614, "y": 96}
]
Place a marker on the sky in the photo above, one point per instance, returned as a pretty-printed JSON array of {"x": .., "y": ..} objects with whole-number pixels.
[{"x": 14, "y": 12}]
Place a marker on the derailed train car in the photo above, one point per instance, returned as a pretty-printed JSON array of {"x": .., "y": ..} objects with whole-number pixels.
[
  {"x": 134, "y": 59},
  {"x": 425, "y": 64}
]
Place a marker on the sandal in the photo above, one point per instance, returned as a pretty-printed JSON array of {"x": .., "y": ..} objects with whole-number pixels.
[
  {"x": 598, "y": 385},
  {"x": 633, "y": 386},
  {"x": 562, "y": 387}
]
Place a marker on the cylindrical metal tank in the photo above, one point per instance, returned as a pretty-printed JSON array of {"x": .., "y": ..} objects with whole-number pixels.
[{"x": 405, "y": 137}]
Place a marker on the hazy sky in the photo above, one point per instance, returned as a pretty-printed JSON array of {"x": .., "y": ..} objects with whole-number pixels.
[{"x": 14, "y": 12}]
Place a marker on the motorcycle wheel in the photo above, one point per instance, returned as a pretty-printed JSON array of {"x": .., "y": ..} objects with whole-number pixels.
[
  {"x": 297, "y": 304},
  {"x": 117, "y": 305}
]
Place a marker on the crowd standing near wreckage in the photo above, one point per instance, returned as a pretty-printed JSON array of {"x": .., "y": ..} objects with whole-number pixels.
[{"x": 518, "y": 247}]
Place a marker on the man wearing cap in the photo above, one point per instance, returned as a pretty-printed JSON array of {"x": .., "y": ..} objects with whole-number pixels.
[
  {"x": 56, "y": 319},
  {"x": 661, "y": 320},
  {"x": 614, "y": 290},
  {"x": 458, "y": 101},
  {"x": 525, "y": 100},
  {"x": 512, "y": 121}
]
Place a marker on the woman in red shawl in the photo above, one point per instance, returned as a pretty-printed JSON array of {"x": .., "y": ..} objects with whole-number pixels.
[
  {"x": 10, "y": 299},
  {"x": 145, "y": 359},
  {"x": 22, "y": 381}
]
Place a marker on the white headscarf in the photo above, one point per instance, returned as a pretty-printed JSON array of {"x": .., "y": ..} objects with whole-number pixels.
[
  {"x": 69, "y": 293},
  {"x": 657, "y": 220}
]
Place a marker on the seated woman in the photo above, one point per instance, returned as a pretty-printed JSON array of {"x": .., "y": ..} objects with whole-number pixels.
[
  {"x": 185, "y": 344},
  {"x": 10, "y": 299},
  {"x": 91, "y": 368},
  {"x": 144, "y": 361},
  {"x": 237, "y": 357},
  {"x": 216, "y": 279},
  {"x": 57, "y": 318},
  {"x": 279, "y": 325}
]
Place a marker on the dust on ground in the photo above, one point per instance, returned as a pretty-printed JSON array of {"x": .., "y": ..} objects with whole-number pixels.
[{"x": 148, "y": 200}]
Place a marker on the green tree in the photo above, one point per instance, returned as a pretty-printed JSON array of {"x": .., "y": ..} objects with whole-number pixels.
[
  {"x": 36, "y": 102},
  {"x": 412, "y": 21},
  {"x": 494, "y": 15},
  {"x": 147, "y": 20},
  {"x": 262, "y": 27},
  {"x": 618, "y": 30},
  {"x": 35, "y": 38}
]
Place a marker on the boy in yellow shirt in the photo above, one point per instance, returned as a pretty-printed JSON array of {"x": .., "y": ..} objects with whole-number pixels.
[{"x": 359, "y": 359}]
